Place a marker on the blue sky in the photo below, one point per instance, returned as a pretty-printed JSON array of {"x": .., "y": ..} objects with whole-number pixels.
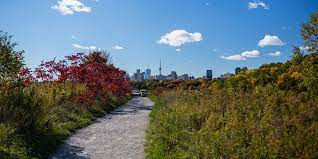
[{"x": 189, "y": 36}]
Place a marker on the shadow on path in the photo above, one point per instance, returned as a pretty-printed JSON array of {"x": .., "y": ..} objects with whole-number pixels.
[{"x": 71, "y": 152}]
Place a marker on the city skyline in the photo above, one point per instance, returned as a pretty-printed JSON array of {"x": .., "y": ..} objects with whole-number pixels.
[
  {"x": 203, "y": 34},
  {"x": 145, "y": 74}
]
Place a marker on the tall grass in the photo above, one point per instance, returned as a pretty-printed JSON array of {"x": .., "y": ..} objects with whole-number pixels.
[
  {"x": 20, "y": 117},
  {"x": 36, "y": 119},
  {"x": 228, "y": 123}
]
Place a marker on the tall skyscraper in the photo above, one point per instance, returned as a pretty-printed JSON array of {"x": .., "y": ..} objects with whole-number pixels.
[
  {"x": 148, "y": 74},
  {"x": 139, "y": 75},
  {"x": 142, "y": 77},
  {"x": 209, "y": 74},
  {"x": 174, "y": 75}
]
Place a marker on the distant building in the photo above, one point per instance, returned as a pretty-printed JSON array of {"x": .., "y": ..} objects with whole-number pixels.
[
  {"x": 227, "y": 75},
  {"x": 148, "y": 74},
  {"x": 142, "y": 76},
  {"x": 158, "y": 77},
  {"x": 174, "y": 75},
  {"x": 184, "y": 77},
  {"x": 155, "y": 77},
  {"x": 138, "y": 76},
  {"x": 209, "y": 74}
]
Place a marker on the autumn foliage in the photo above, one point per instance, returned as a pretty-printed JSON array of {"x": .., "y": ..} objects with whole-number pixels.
[{"x": 92, "y": 70}]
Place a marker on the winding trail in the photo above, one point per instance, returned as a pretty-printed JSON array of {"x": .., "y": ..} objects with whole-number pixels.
[{"x": 118, "y": 135}]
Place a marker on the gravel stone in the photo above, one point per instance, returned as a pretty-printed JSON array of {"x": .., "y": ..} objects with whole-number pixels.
[{"x": 118, "y": 135}]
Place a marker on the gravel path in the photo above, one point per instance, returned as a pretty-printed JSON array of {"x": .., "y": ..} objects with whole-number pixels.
[{"x": 119, "y": 135}]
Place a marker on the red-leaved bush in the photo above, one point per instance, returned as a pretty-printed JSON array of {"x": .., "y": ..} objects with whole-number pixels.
[
  {"x": 26, "y": 76},
  {"x": 92, "y": 70}
]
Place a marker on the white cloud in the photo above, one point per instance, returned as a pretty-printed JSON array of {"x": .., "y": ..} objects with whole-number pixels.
[
  {"x": 257, "y": 4},
  {"x": 269, "y": 40},
  {"x": 277, "y": 53},
  {"x": 179, "y": 37},
  {"x": 85, "y": 47},
  {"x": 243, "y": 56},
  {"x": 236, "y": 57},
  {"x": 178, "y": 49},
  {"x": 304, "y": 48},
  {"x": 68, "y": 7},
  {"x": 118, "y": 47},
  {"x": 253, "y": 53}
]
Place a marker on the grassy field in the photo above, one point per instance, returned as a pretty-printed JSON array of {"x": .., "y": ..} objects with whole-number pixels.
[{"x": 226, "y": 123}]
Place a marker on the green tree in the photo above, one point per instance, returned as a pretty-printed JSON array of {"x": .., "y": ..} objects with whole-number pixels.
[
  {"x": 309, "y": 33},
  {"x": 297, "y": 55},
  {"x": 11, "y": 61}
]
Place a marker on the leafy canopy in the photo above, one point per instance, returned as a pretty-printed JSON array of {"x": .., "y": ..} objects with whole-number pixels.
[
  {"x": 11, "y": 61},
  {"x": 309, "y": 33}
]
